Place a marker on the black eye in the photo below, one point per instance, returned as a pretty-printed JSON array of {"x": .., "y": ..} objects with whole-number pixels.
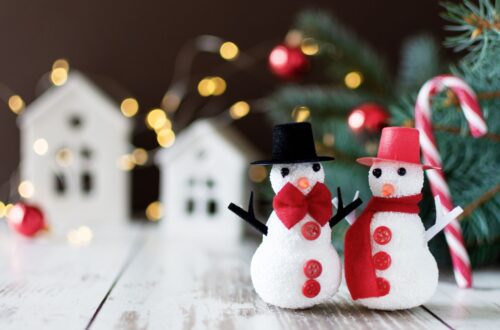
[
  {"x": 377, "y": 172},
  {"x": 316, "y": 167},
  {"x": 402, "y": 171},
  {"x": 285, "y": 171}
]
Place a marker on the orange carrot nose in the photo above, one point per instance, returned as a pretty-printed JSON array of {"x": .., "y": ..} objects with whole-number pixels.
[
  {"x": 387, "y": 190},
  {"x": 303, "y": 183}
]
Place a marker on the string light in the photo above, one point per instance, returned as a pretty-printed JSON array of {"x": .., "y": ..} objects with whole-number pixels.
[
  {"x": 353, "y": 79},
  {"x": 239, "y": 110},
  {"x": 229, "y": 51},
  {"x": 171, "y": 101},
  {"x": 139, "y": 156},
  {"x": 309, "y": 47},
  {"x": 59, "y": 76},
  {"x": 3, "y": 211},
  {"x": 26, "y": 189},
  {"x": 209, "y": 86},
  {"x": 60, "y": 64},
  {"x": 294, "y": 38},
  {"x": 64, "y": 157},
  {"x": 300, "y": 114},
  {"x": 16, "y": 104},
  {"x": 154, "y": 211},
  {"x": 126, "y": 162},
  {"x": 156, "y": 119},
  {"x": 129, "y": 107},
  {"x": 81, "y": 236},
  {"x": 356, "y": 119},
  {"x": 257, "y": 173},
  {"x": 165, "y": 138},
  {"x": 40, "y": 146}
]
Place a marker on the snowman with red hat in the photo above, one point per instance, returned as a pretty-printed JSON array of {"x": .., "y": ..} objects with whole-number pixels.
[
  {"x": 388, "y": 264},
  {"x": 296, "y": 265}
]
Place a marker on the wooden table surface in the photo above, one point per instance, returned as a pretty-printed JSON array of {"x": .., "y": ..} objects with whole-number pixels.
[{"x": 132, "y": 277}]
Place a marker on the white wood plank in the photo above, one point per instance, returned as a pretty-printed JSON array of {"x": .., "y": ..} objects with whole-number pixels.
[
  {"x": 48, "y": 284},
  {"x": 172, "y": 285},
  {"x": 477, "y": 308}
]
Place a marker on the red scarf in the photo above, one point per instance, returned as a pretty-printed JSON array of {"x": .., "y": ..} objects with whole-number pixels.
[
  {"x": 358, "y": 261},
  {"x": 291, "y": 205}
]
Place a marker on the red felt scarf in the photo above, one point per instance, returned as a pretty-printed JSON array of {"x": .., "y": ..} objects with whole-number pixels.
[
  {"x": 291, "y": 205},
  {"x": 358, "y": 261}
]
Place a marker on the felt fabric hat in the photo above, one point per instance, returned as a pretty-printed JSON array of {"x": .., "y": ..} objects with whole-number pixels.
[
  {"x": 293, "y": 143},
  {"x": 398, "y": 144}
]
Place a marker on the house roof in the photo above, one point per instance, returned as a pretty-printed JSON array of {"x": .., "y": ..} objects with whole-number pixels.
[
  {"x": 202, "y": 128},
  {"x": 76, "y": 83}
]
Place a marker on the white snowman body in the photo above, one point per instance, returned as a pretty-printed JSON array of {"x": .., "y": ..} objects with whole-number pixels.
[
  {"x": 279, "y": 266},
  {"x": 412, "y": 273}
]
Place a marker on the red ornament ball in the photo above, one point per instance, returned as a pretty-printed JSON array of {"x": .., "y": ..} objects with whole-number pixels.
[
  {"x": 288, "y": 63},
  {"x": 369, "y": 117},
  {"x": 26, "y": 219}
]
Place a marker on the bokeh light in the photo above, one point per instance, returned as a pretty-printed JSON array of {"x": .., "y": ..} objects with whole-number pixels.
[
  {"x": 26, "y": 189},
  {"x": 229, "y": 51},
  {"x": 353, "y": 79},
  {"x": 239, "y": 110},
  {"x": 257, "y": 173},
  {"x": 309, "y": 47},
  {"x": 40, "y": 146},
  {"x": 156, "y": 118},
  {"x": 301, "y": 113},
  {"x": 165, "y": 138},
  {"x": 16, "y": 104},
  {"x": 129, "y": 107},
  {"x": 154, "y": 211}
]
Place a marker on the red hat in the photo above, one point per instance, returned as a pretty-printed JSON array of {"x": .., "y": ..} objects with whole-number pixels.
[{"x": 398, "y": 144}]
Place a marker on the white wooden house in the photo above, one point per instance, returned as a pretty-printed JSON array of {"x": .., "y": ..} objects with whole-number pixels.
[
  {"x": 201, "y": 174},
  {"x": 71, "y": 139}
]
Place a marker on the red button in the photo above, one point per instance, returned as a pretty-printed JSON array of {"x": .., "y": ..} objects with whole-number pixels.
[
  {"x": 311, "y": 288},
  {"x": 383, "y": 286},
  {"x": 311, "y": 230},
  {"x": 382, "y": 235},
  {"x": 381, "y": 260},
  {"x": 312, "y": 268}
]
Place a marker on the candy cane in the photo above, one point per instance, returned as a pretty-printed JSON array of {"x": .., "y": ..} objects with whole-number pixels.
[{"x": 470, "y": 107}]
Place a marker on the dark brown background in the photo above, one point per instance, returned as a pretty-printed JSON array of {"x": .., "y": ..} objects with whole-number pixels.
[{"x": 135, "y": 43}]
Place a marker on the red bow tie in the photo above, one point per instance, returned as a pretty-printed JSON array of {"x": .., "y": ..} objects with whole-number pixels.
[{"x": 291, "y": 205}]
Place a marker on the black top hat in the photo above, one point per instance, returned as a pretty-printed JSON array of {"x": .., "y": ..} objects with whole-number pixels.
[{"x": 293, "y": 143}]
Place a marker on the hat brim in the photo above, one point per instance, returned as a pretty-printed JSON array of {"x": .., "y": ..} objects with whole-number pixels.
[
  {"x": 368, "y": 161},
  {"x": 292, "y": 161}
]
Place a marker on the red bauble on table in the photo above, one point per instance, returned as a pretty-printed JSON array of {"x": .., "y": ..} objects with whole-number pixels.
[
  {"x": 27, "y": 220},
  {"x": 369, "y": 117},
  {"x": 288, "y": 63}
]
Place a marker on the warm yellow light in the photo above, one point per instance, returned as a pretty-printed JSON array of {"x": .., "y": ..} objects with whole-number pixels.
[
  {"x": 8, "y": 207},
  {"x": 139, "y": 156},
  {"x": 220, "y": 86},
  {"x": 171, "y": 101},
  {"x": 16, "y": 104},
  {"x": 309, "y": 47},
  {"x": 353, "y": 79},
  {"x": 229, "y": 51},
  {"x": 156, "y": 118},
  {"x": 328, "y": 140},
  {"x": 26, "y": 189},
  {"x": 3, "y": 211},
  {"x": 40, "y": 146},
  {"x": 257, "y": 173},
  {"x": 206, "y": 87},
  {"x": 129, "y": 107},
  {"x": 81, "y": 236},
  {"x": 165, "y": 138},
  {"x": 166, "y": 125},
  {"x": 154, "y": 211},
  {"x": 239, "y": 109},
  {"x": 60, "y": 64},
  {"x": 126, "y": 162},
  {"x": 64, "y": 157},
  {"x": 58, "y": 76},
  {"x": 300, "y": 114}
]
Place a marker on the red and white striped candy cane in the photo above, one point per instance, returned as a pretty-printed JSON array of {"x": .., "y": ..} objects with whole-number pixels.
[{"x": 472, "y": 111}]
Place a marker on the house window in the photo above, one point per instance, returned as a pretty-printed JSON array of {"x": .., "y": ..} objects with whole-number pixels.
[
  {"x": 60, "y": 183},
  {"x": 75, "y": 122},
  {"x": 190, "y": 206},
  {"x": 212, "y": 207}
]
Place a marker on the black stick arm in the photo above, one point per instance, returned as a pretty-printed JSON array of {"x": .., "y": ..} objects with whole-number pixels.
[
  {"x": 342, "y": 211},
  {"x": 249, "y": 216}
]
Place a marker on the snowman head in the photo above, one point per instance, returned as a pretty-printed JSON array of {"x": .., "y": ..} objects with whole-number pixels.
[
  {"x": 302, "y": 175},
  {"x": 395, "y": 179}
]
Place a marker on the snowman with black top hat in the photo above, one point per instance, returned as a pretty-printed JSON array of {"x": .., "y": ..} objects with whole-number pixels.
[{"x": 296, "y": 265}]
